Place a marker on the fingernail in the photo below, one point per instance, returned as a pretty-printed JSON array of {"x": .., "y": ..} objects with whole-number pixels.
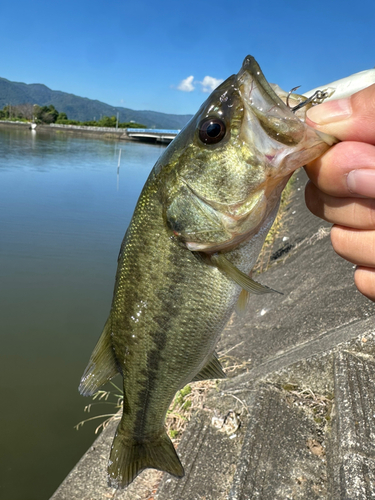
[
  {"x": 330, "y": 111},
  {"x": 362, "y": 182}
]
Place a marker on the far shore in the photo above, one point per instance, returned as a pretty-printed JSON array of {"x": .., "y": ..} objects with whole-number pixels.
[{"x": 80, "y": 130}]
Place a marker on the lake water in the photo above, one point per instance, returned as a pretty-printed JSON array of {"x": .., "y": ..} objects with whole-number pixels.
[{"x": 63, "y": 213}]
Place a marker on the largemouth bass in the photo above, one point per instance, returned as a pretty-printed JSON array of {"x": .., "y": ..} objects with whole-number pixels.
[{"x": 195, "y": 235}]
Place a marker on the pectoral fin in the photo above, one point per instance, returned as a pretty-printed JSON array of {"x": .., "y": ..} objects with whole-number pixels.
[
  {"x": 242, "y": 303},
  {"x": 102, "y": 365},
  {"x": 212, "y": 369},
  {"x": 242, "y": 279}
]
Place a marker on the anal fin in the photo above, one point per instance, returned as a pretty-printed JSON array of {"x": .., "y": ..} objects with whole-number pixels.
[
  {"x": 211, "y": 370},
  {"x": 102, "y": 365}
]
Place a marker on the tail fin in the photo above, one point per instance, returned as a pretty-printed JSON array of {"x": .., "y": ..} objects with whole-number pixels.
[{"x": 129, "y": 458}]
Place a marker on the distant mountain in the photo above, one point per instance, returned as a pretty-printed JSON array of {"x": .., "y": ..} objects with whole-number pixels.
[{"x": 82, "y": 108}]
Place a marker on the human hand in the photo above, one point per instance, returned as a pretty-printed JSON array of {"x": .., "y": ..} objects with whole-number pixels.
[{"x": 342, "y": 187}]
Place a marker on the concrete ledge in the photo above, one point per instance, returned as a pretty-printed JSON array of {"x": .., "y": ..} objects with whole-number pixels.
[
  {"x": 81, "y": 130},
  {"x": 5, "y": 123}
]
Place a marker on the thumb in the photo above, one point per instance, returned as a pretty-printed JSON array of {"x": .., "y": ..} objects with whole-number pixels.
[{"x": 350, "y": 119}]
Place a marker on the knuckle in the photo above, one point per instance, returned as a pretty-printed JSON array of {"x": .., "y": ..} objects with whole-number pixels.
[
  {"x": 339, "y": 240},
  {"x": 371, "y": 214},
  {"x": 312, "y": 199}
]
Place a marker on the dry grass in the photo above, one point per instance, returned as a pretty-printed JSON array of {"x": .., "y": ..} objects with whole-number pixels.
[
  {"x": 317, "y": 404},
  {"x": 185, "y": 402},
  {"x": 111, "y": 398}
]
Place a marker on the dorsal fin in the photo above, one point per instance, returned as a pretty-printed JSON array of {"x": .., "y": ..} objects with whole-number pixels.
[{"x": 102, "y": 365}]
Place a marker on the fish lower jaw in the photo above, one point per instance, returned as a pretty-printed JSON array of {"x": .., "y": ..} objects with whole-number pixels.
[
  {"x": 197, "y": 247},
  {"x": 214, "y": 247},
  {"x": 226, "y": 246}
]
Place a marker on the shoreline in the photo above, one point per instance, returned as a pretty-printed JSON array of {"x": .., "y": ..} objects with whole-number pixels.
[{"x": 78, "y": 130}]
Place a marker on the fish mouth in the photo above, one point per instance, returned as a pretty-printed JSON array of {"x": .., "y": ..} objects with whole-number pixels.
[
  {"x": 250, "y": 68},
  {"x": 270, "y": 120},
  {"x": 276, "y": 118}
]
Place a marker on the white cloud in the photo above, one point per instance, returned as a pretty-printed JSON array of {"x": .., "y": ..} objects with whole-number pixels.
[
  {"x": 210, "y": 83},
  {"x": 187, "y": 84}
]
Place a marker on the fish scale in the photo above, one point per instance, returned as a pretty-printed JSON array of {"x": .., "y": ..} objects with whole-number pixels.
[{"x": 163, "y": 284}]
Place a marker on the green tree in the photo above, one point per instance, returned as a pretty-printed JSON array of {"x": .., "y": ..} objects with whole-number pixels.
[
  {"x": 107, "y": 121},
  {"x": 131, "y": 125},
  {"x": 46, "y": 114},
  {"x": 61, "y": 116},
  {"x": 5, "y": 112}
]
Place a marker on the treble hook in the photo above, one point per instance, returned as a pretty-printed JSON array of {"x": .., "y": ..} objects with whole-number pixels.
[
  {"x": 317, "y": 98},
  {"x": 291, "y": 92}
]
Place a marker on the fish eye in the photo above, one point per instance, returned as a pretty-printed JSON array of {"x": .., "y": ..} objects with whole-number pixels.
[{"x": 211, "y": 130}]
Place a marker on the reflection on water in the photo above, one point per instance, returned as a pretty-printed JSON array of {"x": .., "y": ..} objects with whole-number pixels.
[{"x": 64, "y": 208}]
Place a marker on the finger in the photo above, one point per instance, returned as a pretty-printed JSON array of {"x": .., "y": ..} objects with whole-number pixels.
[
  {"x": 345, "y": 170},
  {"x": 357, "y": 213},
  {"x": 350, "y": 119},
  {"x": 364, "y": 279},
  {"x": 355, "y": 245}
]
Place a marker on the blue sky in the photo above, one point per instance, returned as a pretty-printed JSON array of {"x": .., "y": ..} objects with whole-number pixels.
[{"x": 138, "y": 53}]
